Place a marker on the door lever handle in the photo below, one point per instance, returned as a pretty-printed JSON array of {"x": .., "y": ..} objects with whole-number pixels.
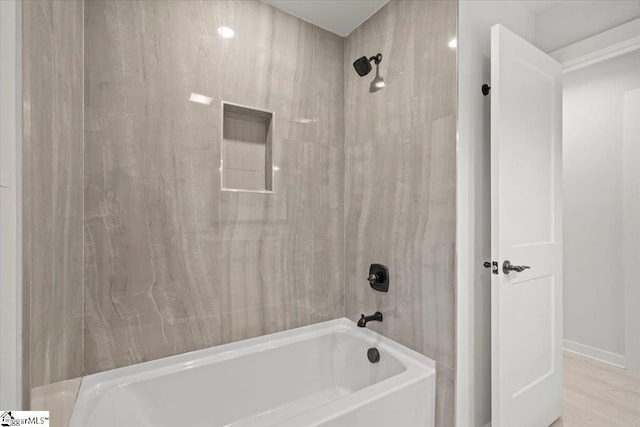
[{"x": 507, "y": 267}]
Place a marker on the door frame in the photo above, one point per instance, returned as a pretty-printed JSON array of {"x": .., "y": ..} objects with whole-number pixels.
[
  {"x": 609, "y": 44},
  {"x": 14, "y": 386}
]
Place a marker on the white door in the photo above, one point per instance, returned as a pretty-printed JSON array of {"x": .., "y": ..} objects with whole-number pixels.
[{"x": 526, "y": 229}]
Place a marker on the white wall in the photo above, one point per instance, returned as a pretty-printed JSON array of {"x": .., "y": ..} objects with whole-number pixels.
[
  {"x": 11, "y": 390},
  {"x": 631, "y": 213},
  {"x": 473, "y": 404},
  {"x": 574, "y": 20},
  {"x": 594, "y": 232}
]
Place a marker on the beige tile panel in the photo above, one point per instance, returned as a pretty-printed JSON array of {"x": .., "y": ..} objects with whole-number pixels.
[
  {"x": 400, "y": 181},
  {"x": 58, "y": 398},
  {"x": 445, "y": 396},
  {"x": 53, "y": 187},
  {"x": 172, "y": 263}
]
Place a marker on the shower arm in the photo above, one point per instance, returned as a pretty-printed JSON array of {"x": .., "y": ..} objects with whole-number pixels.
[{"x": 376, "y": 59}]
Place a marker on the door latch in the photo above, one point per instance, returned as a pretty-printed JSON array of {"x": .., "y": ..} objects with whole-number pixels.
[{"x": 493, "y": 265}]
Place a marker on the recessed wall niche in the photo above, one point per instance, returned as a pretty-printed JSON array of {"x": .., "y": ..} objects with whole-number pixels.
[{"x": 246, "y": 149}]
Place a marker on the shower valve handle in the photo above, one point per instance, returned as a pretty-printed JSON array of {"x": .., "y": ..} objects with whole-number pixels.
[{"x": 373, "y": 277}]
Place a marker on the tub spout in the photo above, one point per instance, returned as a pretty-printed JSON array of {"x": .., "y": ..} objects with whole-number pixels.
[{"x": 377, "y": 316}]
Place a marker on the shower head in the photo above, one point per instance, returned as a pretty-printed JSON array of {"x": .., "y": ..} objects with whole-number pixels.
[
  {"x": 377, "y": 83},
  {"x": 363, "y": 64}
]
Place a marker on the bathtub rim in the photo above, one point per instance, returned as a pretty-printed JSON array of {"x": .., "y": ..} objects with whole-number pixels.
[{"x": 418, "y": 367}]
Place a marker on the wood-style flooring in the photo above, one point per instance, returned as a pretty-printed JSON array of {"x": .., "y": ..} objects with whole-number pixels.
[{"x": 597, "y": 394}]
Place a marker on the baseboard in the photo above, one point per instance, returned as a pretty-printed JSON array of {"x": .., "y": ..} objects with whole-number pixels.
[{"x": 594, "y": 353}]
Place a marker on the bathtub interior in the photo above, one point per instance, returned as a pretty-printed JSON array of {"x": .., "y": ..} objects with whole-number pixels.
[{"x": 260, "y": 388}]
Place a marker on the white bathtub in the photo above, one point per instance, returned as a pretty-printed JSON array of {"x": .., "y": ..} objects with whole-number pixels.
[{"x": 318, "y": 375}]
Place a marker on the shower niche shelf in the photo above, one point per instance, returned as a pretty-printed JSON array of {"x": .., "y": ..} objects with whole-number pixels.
[{"x": 246, "y": 149}]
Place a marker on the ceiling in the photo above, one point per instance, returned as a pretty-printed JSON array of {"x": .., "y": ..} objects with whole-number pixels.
[
  {"x": 537, "y": 6},
  {"x": 339, "y": 17}
]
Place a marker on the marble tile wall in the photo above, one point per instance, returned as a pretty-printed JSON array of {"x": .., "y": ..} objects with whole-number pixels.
[
  {"x": 52, "y": 180},
  {"x": 400, "y": 181},
  {"x": 172, "y": 263}
]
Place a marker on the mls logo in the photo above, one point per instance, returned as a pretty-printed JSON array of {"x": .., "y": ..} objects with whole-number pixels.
[
  {"x": 24, "y": 418},
  {"x": 6, "y": 418}
]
